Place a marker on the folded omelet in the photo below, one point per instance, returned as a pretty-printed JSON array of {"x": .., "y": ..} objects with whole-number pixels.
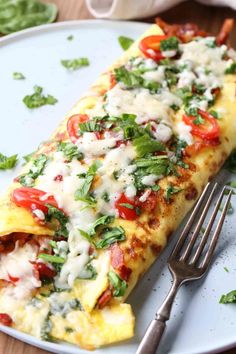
[{"x": 95, "y": 205}]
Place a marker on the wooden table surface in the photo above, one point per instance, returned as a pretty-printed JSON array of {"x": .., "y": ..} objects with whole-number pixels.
[{"x": 209, "y": 18}]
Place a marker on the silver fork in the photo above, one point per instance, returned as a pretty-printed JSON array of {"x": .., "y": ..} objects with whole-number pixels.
[{"x": 185, "y": 268}]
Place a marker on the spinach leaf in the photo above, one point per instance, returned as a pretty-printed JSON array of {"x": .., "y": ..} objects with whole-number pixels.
[
  {"x": 62, "y": 219},
  {"x": 119, "y": 285},
  {"x": 37, "y": 99},
  {"x": 69, "y": 151},
  {"x": 125, "y": 42},
  {"x": 51, "y": 258},
  {"x": 75, "y": 64},
  {"x": 7, "y": 163},
  {"x": 16, "y": 15},
  {"x": 103, "y": 220},
  {"x": 110, "y": 236}
]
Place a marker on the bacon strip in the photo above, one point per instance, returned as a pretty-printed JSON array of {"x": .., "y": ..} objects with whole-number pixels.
[
  {"x": 118, "y": 262},
  {"x": 225, "y": 31}
]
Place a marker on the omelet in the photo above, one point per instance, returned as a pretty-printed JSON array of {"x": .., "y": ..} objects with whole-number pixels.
[{"x": 97, "y": 203}]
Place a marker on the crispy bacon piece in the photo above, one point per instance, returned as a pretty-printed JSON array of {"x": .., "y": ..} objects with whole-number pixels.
[
  {"x": 150, "y": 204},
  {"x": 185, "y": 32},
  {"x": 104, "y": 298},
  {"x": 7, "y": 243},
  {"x": 118, "y": 262},
  {"x": 225, "y": 31},
  {"x": 5, "y": 319}
]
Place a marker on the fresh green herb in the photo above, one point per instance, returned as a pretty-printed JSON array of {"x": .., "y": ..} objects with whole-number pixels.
[
  {"x": 89, "y": 126},
  {"x": 199, "y": 88},
  {"x": 199, "y": 120},
  {"x": 70, "y": 151},
  {"x": 170, "y": 191},
  {"x": 127, "y": 205},
  {"x": 175, "y": 107},
  {"x": 92, "y": 272},
  {"x": 37, "y": 167},
  {"x": 51, "y": 259},
  {"x": 145, "y": 145},
  {"x": 228, "y": 298},
  {"x": 125, "y": 42},
  {"x": 37, "y": 99},
  {"x": 7, "y": 163},
  {"x": 230, "y": 163},
  {"x": 132, "y": 80},
  {"x": 70, "y": 37},
  {"x": 185, "y": 94},
  {"x": 155, "y": 188},
  {"x": 230, "y": 209},
  {"x": 83, "y": 193},
  {"x": 215, "y": 114},
  {"x": 170, "y": 77},
  {"x": 119, "y": 285},
  {"x": 16, "y": 15},
  {"x": 18, "y": 76},
  {"x": 103, "y": 220},
  {"x": 179, "y": 145},
  {"x": 171, "y": 43},
  {"x": 28, "y": 157},
  {"x": 55, "y": 214},
  {"x": 111, "y": 235},
  {"x": 46, "y": 329},
  {"x": 75, "y": 64},
  {"x": 231, "y": 69},
  {"x": 226, "y": 269},
  {"x": 106, "y": 197}
]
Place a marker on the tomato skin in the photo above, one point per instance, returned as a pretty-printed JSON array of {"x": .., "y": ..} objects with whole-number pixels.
[
  {"x": 30, "y": 199},
  {"x": 13, "y": 279},
  {"x": 209, "y": 133},
  {"x": 104, "y": 298},
  {"x": 124, "y": 212},
  {"x": 73, "y": 125},
  {"x": 150, "y": 46},
  {"x": 118, "y": 261},
  {"x": 5, "y": 319},
  {"x": 44, "y": 271}
]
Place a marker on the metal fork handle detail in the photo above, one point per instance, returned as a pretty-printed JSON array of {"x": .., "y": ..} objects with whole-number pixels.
[{"x": 156, "y": 328}]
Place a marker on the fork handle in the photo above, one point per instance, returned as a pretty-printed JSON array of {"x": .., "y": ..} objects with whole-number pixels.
[{"x": 152, "y": 337}]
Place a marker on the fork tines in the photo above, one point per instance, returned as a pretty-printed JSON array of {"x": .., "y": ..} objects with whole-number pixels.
[{"x": 184, "y": 255}]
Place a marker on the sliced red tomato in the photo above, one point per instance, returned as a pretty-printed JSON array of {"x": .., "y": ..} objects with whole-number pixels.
[
  {"x": 44, "y": 271},
  {"x": 104, "y": 298},
  {"x": 150, "y": 46},
  {"x": 5, "y": 319},
  {"x": 209, "y": 130},
  {"x": 118, "y": 261},
  {"x": 126, "y": 208},
  {"x": 73, "y": 125},
  {"x": 32, "y": 198}
]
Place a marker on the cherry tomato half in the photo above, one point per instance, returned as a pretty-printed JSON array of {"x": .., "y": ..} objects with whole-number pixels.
[
  {"x": 126, "y": 208},
  {"x": 5, "y": 319},
  {"x": 44, "y": 271},
  {"x": 205, "y": 131},
  {"x": 150, "y": 46},
  {"x": 32, "y": 198},
  {"x": 73, "y": 125}
]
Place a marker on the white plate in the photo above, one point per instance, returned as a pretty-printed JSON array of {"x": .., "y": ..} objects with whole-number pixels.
[{"x": 199, "y": 324}]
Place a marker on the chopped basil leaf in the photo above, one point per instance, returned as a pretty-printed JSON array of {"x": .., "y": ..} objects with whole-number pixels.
[
  {"x": 110, "y": 235},
  {"x": 119, "y": 285},
  {"x": 75, "y": 64},
  {"x": 51, "y": 259},
  {"x": 132, "y": 80},
  {"x": 170, "y": 191},
  {"x": 37, "y": 99},
  {"x": 83, "y": 192},
  {"x": 211, "y": 43},
  {"x": 19, "y": 14},
  {"x": 127, "y": 205},
  {"x": 125, "y": 42},
  {"x": 55, "y": 214},
  {"x": 171, "y": 43},
  {"x": 7, "y": 163},
  {"x": 69, "y": 330},
  {"x": 18, "y": 76},
  {"x": 230, "y": 163},
  {"x": 70, "y": 37},
  {"x": 228, "y": 298},
  {"x": 185, "y": 94},
  {"x": 103, "y": 220},
  {"x": 89, "y": 126},
  {"x": 155, "y": 188},
  {"x": 226, "y": 269},
  {"x": 37, "y": 167},
  {"x": 145, "y": 144},
  {"x": 175, "y": 107},
  {"x": 231, "y": 69},
  {"x": 46, "y": 329},
  {"x": 69, "y": 151},
  {"x": 28, "y": 157},
  {"x": 105, "y": 197},
  {"x": 215, "y": 114},
  {"x": 199, "y": 120}
]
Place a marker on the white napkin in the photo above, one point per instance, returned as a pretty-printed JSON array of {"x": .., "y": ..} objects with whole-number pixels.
[{"x": 128, "y": 9}]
